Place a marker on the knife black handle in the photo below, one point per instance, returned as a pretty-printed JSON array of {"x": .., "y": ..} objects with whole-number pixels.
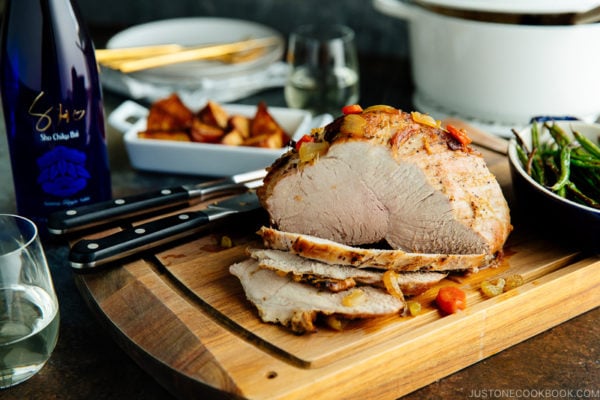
[
  {"x": 104, "y": 212},
  {"x": 90, "y": 253}
]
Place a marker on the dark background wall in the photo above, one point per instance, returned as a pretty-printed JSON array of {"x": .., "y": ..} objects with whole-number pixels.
[{"x": 376, "y": 33}]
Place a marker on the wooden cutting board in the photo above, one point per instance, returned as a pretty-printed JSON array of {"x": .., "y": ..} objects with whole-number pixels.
[{"x": 185, "y": 320}]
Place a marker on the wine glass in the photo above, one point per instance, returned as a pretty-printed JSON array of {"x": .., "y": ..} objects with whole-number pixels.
[
  {"x": 29, "y": 316},
  {"x": 324, "y": 74}
]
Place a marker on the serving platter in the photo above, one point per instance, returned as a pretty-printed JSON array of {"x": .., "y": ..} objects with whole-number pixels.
[
  {"x": 205, "y": 159},
  {"x": 181, "y": 315}
]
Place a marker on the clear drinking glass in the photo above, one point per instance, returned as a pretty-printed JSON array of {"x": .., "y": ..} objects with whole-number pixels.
[
  {"x": 323, "y": 69},
  {"x": 29, "y": 316}
]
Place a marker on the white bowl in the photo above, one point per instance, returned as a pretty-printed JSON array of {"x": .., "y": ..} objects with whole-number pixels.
[{"x": 205, "y": 159}]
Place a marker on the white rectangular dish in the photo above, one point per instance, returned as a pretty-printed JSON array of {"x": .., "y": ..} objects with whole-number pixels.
[{"x": 205, "y": 159}]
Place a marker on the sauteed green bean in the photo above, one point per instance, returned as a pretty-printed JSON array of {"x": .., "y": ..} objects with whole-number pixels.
[{"x": 568, "y": 165}]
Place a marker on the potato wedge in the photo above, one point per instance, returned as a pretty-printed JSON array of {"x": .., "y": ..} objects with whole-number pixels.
[
  {"x": 233, "y": 138},
  {"x": 213, "y": 114},
  {"x": 268, "y": 140},
  {"x": 171, "y": 119},
  {"x": 205, "y": 133},
  {"x": 241, "y": 124},
  {"x": 169, "y": 114},
  {"x": 264, "y": 124}
]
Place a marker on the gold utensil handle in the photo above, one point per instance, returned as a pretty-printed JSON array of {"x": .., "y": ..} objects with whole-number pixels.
[
  {"x": 133, "y": 64},
  {"x": 124, "y": 53}
]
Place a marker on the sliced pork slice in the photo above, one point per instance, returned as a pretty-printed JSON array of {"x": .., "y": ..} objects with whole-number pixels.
[
  {"x": 340, "y": 277},
  {"x": 280, "y": 299},
  {"x": 389, "y": 175},
  {"x": 331, "y": 252}
]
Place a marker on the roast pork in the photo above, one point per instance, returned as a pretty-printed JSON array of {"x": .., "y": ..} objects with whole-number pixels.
[
  {"x": 392, "y": 176},
  {"x": 340, "y": 277},
  {"x": 331, "y": 252},
  {"x": 280, "y": 299}
]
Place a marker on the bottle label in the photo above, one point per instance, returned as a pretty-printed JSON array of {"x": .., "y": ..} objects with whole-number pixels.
[{"x": 62, "y": 169}]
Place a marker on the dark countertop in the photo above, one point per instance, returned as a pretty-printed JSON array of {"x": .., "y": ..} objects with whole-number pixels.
[{"x": 563, "y": 362}]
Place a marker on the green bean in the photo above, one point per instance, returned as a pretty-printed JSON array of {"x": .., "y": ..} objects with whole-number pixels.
[
  {"x": 536, "y": 166},
  {"x": 538, "y": 163},
  {"x": 559, "y": 135},
  {"x": 585, "y": 163},
  {"x": 582, "y": 196},
  {"x": 552, "y": 168},
  {"x": 588, "y": 182},
  {"x": 583, "y": 155},
  {"x": 521, "y": 142},
  {"x": 523, "y": 157},
  {"x": 587, "y": 144},
  {"x": 568, "y": 166},
  {"x": 565, "y": 169},
  {"x": 535, "y": 136}
]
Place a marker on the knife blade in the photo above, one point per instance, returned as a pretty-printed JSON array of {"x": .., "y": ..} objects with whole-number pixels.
[
  {"x": 91, "y": 253},
  {"x": 102, "y": 213}
]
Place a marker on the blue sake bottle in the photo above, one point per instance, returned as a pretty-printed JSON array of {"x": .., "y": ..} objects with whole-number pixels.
[{"x": 53, "y": 109}]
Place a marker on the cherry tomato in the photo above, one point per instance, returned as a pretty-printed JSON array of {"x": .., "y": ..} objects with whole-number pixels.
[
  {"x": 352, "y": 109},
  {"x": 450, "y": 299},
  {"x": 304, "y": 139}
]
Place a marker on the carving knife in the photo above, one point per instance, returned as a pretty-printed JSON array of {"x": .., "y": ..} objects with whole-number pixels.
[
  {"x": 91, "y": 253},
  {"x": 84, "y": 217}
]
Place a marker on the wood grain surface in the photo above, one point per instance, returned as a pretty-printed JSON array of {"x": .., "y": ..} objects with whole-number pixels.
[{"x": 181, "y": 315}]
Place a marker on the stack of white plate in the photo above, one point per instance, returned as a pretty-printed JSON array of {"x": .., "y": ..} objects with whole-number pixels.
[{"x": 197, "y": 81}]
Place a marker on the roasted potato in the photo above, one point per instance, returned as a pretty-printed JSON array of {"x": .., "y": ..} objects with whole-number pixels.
[
  {"x": 265, "y": 131},
  {"x": 205, "y": 133},
  {"x": 233, "y": 138},
  {"x": 213, "y": 114},
  {"x": 170, "y": 119},
  {"x": 240, "y": 124},
  {"x": 169, "y": 114}
]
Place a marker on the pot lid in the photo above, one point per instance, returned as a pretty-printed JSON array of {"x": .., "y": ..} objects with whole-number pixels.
[{"x": 518, "y": 6}]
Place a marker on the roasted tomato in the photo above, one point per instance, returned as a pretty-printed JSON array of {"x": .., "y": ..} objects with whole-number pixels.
[
  {"x": 451, "y": 299},
  {"x": 304, "y": 139},
  {"x": 352, "y": 109}
]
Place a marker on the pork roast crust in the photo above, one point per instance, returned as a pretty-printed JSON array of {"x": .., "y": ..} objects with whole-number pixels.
[{"x": 387, "y": 177}]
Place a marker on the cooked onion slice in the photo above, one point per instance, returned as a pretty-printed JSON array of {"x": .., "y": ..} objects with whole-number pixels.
[{"x": 390, "y": 280}]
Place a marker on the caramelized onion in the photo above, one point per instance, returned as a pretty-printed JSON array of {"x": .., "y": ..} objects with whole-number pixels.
[
  {"x": 354, "y": 298},
  {"x": 312, "y": 150},
  {"x": 381, "y": 107},
  {"x": 493, "y": 288},
  {"x": 513, "y": 281},
  {"x": 425, "y": 119},
  {"x": 353, "y": 124},
  {"x": 336, "y": 323},
  {"x": 390, "y": 280},
  {"x": 414, "y": 307}
]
